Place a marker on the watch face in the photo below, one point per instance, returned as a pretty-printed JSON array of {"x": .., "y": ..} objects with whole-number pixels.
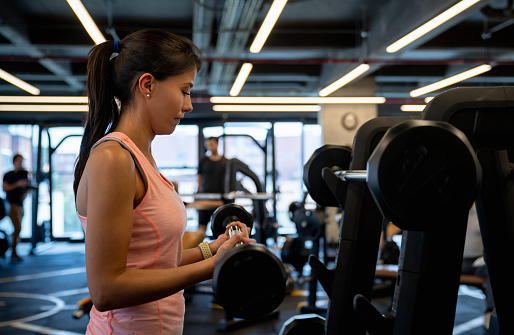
[{"x": 349, "y": 121}]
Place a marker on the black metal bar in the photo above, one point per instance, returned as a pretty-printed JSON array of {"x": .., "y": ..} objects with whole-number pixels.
[
  {"x": 35, "y": 193},
  {"x": 50, "y": 183},
  {"x": 359, "y": 238}
]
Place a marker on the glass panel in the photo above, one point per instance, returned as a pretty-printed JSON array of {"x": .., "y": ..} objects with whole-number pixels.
[
  {"x": 178, "y": 150},
  {"x": 65, "y": 223},
  {"x": 288, "y": 155},
  {"x": 176, "y": 156},
  {"x": 312, "y": 140},
  {"x": 17, "y": 139}
]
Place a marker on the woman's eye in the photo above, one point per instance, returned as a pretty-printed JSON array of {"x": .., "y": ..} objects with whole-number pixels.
[{"x": 186, "y": 93}]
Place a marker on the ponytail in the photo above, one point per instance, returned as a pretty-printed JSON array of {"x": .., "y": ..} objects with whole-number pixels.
[
  {"x": 102, "y": 113},
  {"x": 111, "y": 79}
]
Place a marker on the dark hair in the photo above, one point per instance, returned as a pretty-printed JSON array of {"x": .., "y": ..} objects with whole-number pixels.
[
  {"x": 213, "y": 138},
  {"x": 154, "y": 51},
  {"x": 15, "y": 157}
]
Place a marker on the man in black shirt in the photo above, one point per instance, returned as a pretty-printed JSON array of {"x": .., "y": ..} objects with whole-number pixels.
[
  {"x": 16, "y": 187},
  {"x": 211, "y": 177}
]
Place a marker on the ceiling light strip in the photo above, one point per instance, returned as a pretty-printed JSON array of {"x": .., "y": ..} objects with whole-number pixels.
[
  {"x": 19, "y": 83},
  {"x": 241, "y": 79},
  {"x": 297, "y": 100},
  {"x": 412, "y": 108},
  {"x": 43, "y": 108},
  {"x": 266, "y": 108},
  {"x": 267, "y": 25},
  {"x": 86, "y": 21},
  {"x": 451, "y": 80},
  {"x": 430, "y": 25},
  {"x": 344, "y": 80},
  {"x": 43, "y": 100}
]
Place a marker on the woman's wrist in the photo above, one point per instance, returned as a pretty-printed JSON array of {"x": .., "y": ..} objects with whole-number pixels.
[
  {"x": 213, "y": 248},
  {"x": 206, "y": 250}
]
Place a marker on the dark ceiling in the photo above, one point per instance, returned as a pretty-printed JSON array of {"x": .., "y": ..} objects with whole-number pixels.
[{"x": 313, "y": 43}]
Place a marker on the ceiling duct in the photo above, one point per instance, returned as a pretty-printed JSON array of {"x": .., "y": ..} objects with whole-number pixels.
[
  {"x": 235, "y": 26},
  {"x": 12, "y": 28},
  {"x": 203, "y": 16}
]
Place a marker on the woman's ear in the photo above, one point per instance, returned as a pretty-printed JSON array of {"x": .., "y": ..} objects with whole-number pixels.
[{"x": 146, "y": 84}]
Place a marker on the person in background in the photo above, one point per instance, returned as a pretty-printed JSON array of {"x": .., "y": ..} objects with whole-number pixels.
[
  {"x": 133, "y": 218},
  {"x": 16, "y": 187},
  {"x": 211, "y": 178}
]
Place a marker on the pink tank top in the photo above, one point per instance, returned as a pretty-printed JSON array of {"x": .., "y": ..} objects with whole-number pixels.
[{"x": 159, "y": 222}]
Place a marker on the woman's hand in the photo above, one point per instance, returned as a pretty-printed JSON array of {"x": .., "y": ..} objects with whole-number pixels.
[{"x": 224, "y": 242}]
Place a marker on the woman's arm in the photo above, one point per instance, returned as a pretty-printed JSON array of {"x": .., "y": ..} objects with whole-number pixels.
[{"x": 111, "y": 178}]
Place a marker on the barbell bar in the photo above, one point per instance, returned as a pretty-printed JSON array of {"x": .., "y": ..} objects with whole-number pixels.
[
  {"x": 352, "y": 175},
  {"x": 418, "y": 172}
]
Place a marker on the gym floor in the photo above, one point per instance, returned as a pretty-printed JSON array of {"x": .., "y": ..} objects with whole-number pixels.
[{"x": 39, "y": 295}]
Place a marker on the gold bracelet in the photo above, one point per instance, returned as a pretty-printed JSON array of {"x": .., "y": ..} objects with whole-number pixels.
[{"x": 206, "y": 251}]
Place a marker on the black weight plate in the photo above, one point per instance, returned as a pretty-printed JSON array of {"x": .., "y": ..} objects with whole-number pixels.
[
  {"x": 307, "y": 224},
  {"x": 5, "y": 242},
  {"x": 249, "y": 281},
  {"x": 226, "y": 214},
  {"x": 294, "y": 252},
  {"x": 293, "y": 207},
  {"x": 4, "y": 208},
  {"x": 331, "y": 156},
  {"x": 422, "y": 170}
]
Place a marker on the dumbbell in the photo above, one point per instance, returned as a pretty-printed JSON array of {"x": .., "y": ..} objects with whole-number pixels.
[
  {"x": 418, "y": 172},
  {"x": 249, "y": 281},
  {"x": 226, "y": 214}
]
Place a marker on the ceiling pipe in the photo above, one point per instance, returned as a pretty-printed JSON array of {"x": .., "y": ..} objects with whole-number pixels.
[
  {"x": 294, "y": 61},
  {"x": 236, "y": 24},
  {"x": 203, "y": 16}
]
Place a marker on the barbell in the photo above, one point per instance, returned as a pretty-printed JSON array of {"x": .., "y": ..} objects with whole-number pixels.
[
  {"x": 249, "y": 281},
  {"x": 418, "y": 172}
]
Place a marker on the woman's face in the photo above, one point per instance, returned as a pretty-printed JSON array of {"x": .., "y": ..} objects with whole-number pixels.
[{"x": 170, "y": 101}]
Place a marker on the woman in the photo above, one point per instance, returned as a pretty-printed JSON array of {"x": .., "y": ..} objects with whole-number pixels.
[{"x": 133, "y": 218}]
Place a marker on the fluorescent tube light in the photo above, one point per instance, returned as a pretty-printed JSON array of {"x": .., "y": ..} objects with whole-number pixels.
[
  {"x": 297, "y": 100},
  {"x": 44, "y": 108},
  {"x": 47, "y": 99},
  {"x": 87, "y": 21},
  {"x": 18, "y": 82},
  {"x": 344, "y": 80},
  {"x": 241, "y": 79},
  {"x": 271, "y": 18},
  {"x": 430, "y": 25},
  {"x": 412, "y": 108},
  {"x": 451, "y": 80},
  {"x": 266, "y": 108},
  {"x": 427, "y": 99}
]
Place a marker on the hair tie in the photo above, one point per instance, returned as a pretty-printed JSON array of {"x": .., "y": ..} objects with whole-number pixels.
[{"x": 117, "y": 46}]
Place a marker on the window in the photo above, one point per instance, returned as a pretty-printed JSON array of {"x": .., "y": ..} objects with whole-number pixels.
[
  {"x": 16, "y": 139},
  {"x": 65, "y": 223}
]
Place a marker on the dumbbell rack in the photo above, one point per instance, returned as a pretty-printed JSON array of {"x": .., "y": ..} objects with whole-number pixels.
[
  {"x": 359, "y": 239},
  {"x": 486, "y": 117}
]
